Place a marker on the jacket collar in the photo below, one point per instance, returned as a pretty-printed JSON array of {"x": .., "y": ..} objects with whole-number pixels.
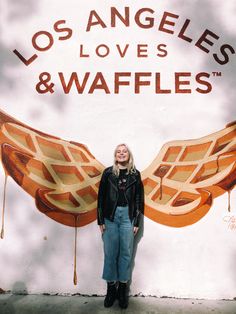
[
  {"x": 130, "y": 180},
  {"x": 114, "y": 180}
]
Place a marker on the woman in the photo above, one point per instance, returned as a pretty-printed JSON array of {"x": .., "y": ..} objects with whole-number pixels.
[{"x": 120, "y": 203}]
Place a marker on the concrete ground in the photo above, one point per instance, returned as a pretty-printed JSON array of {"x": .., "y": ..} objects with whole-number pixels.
[{"x": 43, "y": 304}]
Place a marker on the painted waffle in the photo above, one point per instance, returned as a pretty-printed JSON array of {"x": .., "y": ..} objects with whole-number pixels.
[
  {"x": 62, "y": 176},
  {"x": 186, "y": 176}
]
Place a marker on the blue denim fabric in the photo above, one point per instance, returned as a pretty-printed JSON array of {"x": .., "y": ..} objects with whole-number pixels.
[{"x": 118, "y": 239}]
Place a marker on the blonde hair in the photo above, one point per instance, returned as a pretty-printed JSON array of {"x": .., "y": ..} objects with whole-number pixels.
[{"x": 130, "y": 164}]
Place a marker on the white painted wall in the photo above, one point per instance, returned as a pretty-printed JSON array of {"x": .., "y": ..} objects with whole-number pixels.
[{"x": 37, "y": 253}]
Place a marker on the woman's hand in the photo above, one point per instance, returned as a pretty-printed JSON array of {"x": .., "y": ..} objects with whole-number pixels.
[
  {"x": 102, "y": 228},
  {"x": 135, "y": 230}
]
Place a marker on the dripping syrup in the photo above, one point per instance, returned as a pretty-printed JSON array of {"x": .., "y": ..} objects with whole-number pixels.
[{"x": 75, "y": 279}]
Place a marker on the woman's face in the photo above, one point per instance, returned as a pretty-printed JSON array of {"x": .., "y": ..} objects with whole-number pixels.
[{"x": 122, "y": 155}]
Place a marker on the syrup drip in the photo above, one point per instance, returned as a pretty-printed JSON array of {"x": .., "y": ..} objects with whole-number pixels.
[
  {"x": 229, "y": 205},
  {"x": 229, "y": 191},
  {"x": 160, "y": 189},
  {"x": 75, "y": 252},
  {"x": 217, "y": 164},
  {"x": 3, "y": 205},
  {"x": 161, "y": 172}
]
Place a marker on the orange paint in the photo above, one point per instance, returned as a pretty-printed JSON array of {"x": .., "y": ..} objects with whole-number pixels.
[
  {"x": 63, "y": 176},
  {"x": 193, "y": 174}
]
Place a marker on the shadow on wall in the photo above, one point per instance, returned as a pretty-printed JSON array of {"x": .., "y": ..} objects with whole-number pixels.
[
  {"x": 21, "y": 212},
  {"x": 19, "y": 288},
  {"x": 137, "y": 239},
  {"x": 38, "y": 245},
  {"x": 6, "y": 81},
  {"x": 19, "y": 10},
  {"x": 19, "y": 291},
  {"x": 208, "y": 14},
  {"x": 15, "y": 12}
]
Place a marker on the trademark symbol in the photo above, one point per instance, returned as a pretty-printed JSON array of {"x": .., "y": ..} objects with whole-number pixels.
[{"x": 216, "y": 73}]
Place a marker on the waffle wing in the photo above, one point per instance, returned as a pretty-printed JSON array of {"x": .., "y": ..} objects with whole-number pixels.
[
  {"x": 186, "y": 176},
  {"x": 62, "y": 176}
]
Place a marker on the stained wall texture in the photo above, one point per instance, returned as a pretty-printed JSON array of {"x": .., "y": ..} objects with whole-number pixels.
[{"x": 143, "y": 74}]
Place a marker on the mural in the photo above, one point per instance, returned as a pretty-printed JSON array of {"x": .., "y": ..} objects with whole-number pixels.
[
  {"x": 186, "y": 176},
  {"x": 159, "y": 76},
  {"x": 64, "y": 176}
]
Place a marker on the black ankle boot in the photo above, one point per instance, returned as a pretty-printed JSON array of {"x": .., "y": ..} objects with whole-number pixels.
[
  {"x": 111, "y": 294},
  {"x": 123, "y": 295}
]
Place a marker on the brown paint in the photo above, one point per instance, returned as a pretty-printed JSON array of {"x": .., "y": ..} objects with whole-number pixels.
[
  {"x": 167, "y": 195},
  {"x": 84, "y": 147},
  {"x": 119, "y": 83},
  {"x": 197, "y": 151},
  {"x": 19, "y": 160},
  {"x": 205, "y": 39},
  {"x": 224, "y": 49},
  {"x": 139, "y": 82},
  {"x": 165, "y": 21},
  {"x": 122, "y": 53},
  {"x": 159, "y": 89},
  {"x": 187, "y": 219},
  {"x": 124, "y": 19},
  {"x": 229, "y": 202},
  {"x": 48, "y": 35},
  {"x": 162, "y": 51},
  {"x": 142, "y": 50},
  {"x": 180, "y": 83},
  {"x": 182, "y": 201},
  {"x": 75, "y": 279},
  {"x": 34, "y": 176},
  {"x": 23, "y": 59},
  {"x": 66, "y": 30},
  {"x": 73, "y": 80},
  {"x": 218, "y": 148},
  {"x": 82, "y": 54},
  {"x": 228, "y": 125},
  {"x": 94, "y": 19},
  {"x": 201, "y": 81},
  {"x": 99, "y": 82},
  {"x": 231, "y": 154},
  {"x": 10, "y": 158},
  {"x": 182, "y": 32},
  {"x": 150, "y": 20},
  {"x": 161, "y": 189},
  {"x": 161, "y": 172},
  {"x": 224, "y": 140},
  {"x": 102, "y": 54}
]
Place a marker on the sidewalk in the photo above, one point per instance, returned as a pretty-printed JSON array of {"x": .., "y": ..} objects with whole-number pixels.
[{"x": 43, "y": 304}]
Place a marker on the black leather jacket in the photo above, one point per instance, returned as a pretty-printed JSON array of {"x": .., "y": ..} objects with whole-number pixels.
[{"x": 108, "y": 196}]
